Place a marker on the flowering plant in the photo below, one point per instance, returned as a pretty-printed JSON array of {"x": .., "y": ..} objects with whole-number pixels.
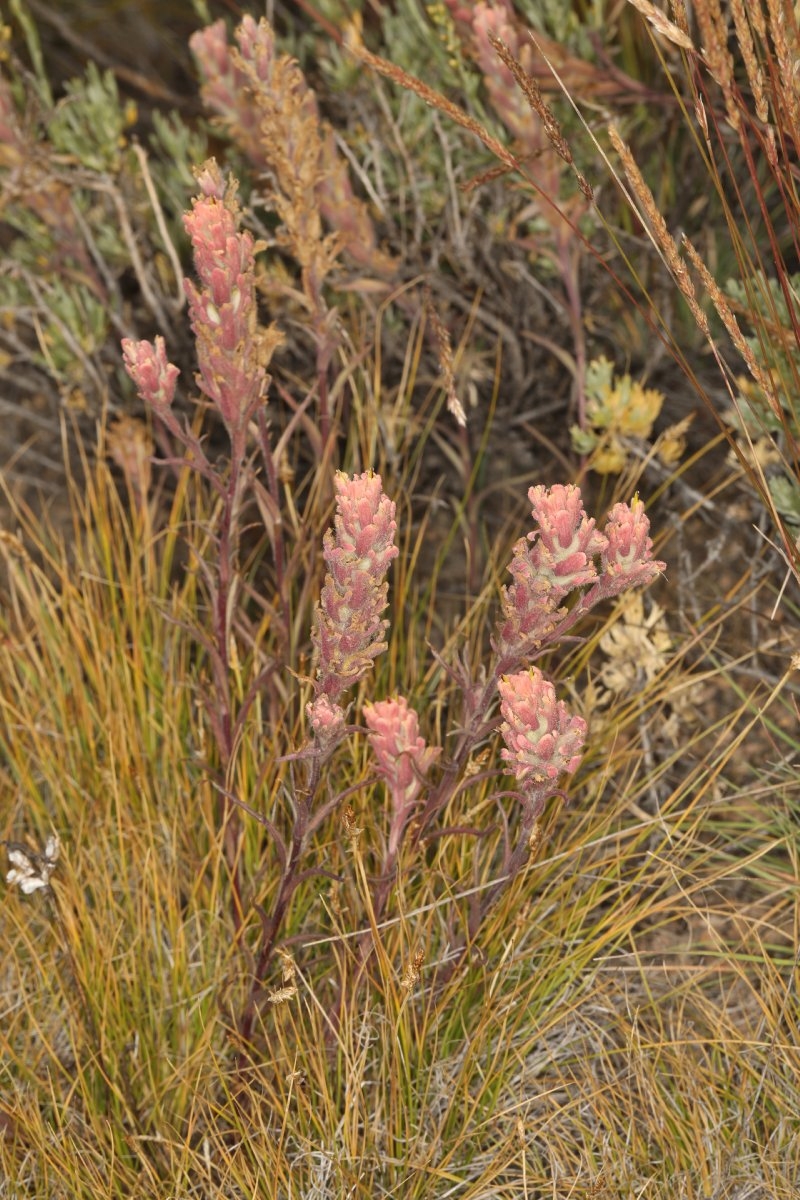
[{"x": 561, "y": 569}]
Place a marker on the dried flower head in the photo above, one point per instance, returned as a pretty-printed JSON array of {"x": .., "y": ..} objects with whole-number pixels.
[
  {"x": 31, "y": 870},
  {"x": 130, "y": 446},
  {"x": 263, "y": 100},
  {"x": 412, "y": 972},
  {"x": 444, "y": 350}
]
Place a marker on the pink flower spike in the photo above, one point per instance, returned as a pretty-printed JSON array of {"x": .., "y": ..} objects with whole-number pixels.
[
  {"x": 628, "y": 559},
  {"x": 232, "y": 351},
  {"x": 365, "y": 524},
  {"x": 542, "y": 740},
  {"x": 555, "y": 559},
  {"x": 349, "y": 630},
  {"x": 155, "y": 377},
  {"x": 403, "y": 758},
  {"x": 567, "y": 540}
]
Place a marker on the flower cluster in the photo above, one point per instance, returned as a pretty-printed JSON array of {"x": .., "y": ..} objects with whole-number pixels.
[
  {"x": 349, "y": 630},
  {"x": 542, "y": 740},
  {"x": 155, "y": 377},
  {"x": 326, "y": 718},
  {"x": 560, "y": 556},
  {"x": 547, "y": 565},
  {"x": 231, "y": 351},
  {"x": 566, "y": 540},
  {"x": 403, "y": 758},
  {"x": 627, "y": 558}
]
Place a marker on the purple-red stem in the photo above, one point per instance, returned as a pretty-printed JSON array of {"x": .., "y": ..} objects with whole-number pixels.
[
  {"x": 278, "y": 547},
  {"x": 229, "y": 818},
  {"x": 477, "y": 705},
  {"x": 271, "y": 927}
]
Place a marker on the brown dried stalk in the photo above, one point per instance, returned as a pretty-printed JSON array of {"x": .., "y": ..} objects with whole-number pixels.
[
  {"x": 755, "y": 75},
  {"x": 533, "y": 94},
  {"x": 677, "y": 34},
  {"x": 444, "y": 350},
  {"x": 784, "y": 35},
  {"x": 714, "y": 41},
  {"x": 658, "y": 226},
  {"x": 436, "y": 100},
  {"x": 726, "y": 315}
]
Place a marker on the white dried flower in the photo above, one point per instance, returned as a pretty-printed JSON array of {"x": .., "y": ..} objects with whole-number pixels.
[{"x": 29, "y": 869}]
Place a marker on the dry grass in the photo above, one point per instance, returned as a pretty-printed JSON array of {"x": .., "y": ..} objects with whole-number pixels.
[{"x": 629, "y": 1010}]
